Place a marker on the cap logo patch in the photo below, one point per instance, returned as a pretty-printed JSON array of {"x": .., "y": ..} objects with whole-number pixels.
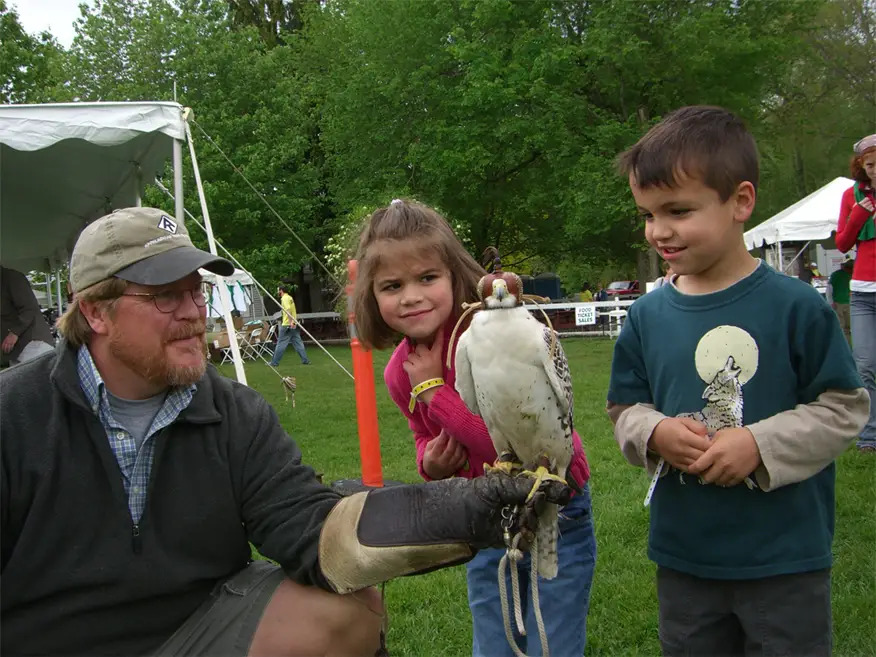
[{"x": 167, "y": 224}]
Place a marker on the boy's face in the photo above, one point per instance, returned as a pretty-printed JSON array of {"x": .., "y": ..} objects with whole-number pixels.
[{"x": 689, "y": 225}]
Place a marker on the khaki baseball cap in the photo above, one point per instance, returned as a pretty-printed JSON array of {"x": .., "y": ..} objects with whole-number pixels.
[{"x": 140, "y": 245}]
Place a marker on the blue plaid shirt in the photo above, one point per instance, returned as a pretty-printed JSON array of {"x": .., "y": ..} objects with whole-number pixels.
[{"x": 135, "y": 465}]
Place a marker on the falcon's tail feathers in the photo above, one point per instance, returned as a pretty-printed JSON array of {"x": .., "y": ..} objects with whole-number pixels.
[{"x": 548, "y": 535}]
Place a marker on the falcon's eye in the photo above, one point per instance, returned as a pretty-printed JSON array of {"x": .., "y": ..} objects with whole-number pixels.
[
  {"x": 513, "y": 283},
  {"x": 485, "y": 286}
]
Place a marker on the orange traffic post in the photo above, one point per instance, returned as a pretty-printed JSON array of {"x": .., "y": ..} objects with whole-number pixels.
[{"x": 366, "y": 399}]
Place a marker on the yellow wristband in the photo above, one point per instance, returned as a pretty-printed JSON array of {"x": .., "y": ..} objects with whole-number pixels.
[{"x": 420, "y": 388}]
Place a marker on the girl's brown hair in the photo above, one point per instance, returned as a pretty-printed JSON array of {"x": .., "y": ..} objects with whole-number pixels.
[
  {"x": 407, "y": 220},
  {"x": 73, "y": 325},
  {"x": 856, "y": 167}
]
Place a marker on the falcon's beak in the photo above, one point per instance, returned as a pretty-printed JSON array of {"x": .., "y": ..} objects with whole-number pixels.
[{"x": 500, "y": 290}]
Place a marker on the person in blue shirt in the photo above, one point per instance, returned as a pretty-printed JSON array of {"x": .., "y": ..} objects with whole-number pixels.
[{"x": 734, "y": 386}]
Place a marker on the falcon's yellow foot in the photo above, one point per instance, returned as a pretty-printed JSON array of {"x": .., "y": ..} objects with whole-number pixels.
[
  {"x": 541, "y": 474},
  {"x": 506, "y": 462}
]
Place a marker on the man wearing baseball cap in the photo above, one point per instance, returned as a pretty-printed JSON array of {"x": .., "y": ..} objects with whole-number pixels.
[{"x": 134, "y": 478}]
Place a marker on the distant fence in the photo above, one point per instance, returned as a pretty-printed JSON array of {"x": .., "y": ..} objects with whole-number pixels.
[
  {"x": 583, "y": 319},
  {"x": 569, "y": 319}
]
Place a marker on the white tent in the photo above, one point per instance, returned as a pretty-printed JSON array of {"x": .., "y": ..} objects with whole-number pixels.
[
  {"x": 244, "y": 292},
  {"x": 64, "y": 165},
  {"x": 239, "y": 276},
  {"x": 811, "y": 219}
]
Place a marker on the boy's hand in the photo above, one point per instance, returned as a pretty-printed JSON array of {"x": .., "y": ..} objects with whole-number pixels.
[
  {"x": 680, "y": 441},
  {"x": 443, "y": 456},
  {"x": 732, "y": 456},
  {"x": 424, "y": 363}
]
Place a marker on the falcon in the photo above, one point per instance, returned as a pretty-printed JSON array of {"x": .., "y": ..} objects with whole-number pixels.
[{"x": 512, "y": 371}]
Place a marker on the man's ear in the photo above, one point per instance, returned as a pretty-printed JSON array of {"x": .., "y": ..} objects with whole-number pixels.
[
  {"x": 745, "y": 198},
  {"x": 96, "y": 313}
]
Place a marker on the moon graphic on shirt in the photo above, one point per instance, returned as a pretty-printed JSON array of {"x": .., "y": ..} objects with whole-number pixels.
[{"x": 722, "y": 342}]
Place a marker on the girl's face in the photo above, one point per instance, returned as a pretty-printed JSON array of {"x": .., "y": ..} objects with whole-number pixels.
[
  {"x": 413, "y": 288},
  {"x": 868, "y": 163}
]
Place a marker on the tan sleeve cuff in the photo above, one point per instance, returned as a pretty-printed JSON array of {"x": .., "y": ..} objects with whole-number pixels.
[
  {"x": 633, "y": 426},
  {"x": 797, "y": 444}
]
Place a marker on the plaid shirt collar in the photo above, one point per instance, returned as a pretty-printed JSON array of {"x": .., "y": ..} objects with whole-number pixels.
[
  {"x": 135, "y": 463},
  {"x": 94, "y": 388}
]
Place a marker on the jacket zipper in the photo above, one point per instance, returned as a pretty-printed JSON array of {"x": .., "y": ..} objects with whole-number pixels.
[{"x": 136, "y": 541}]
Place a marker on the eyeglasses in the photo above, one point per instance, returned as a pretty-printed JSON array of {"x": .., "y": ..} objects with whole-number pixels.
[{"x": 169, "y": 300}]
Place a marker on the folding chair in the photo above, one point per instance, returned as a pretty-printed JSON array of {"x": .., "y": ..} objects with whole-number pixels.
[
  {"x": 225, "y": 352},
  {"x": 271, "y": 341},
  {"x": 257, "y": 344},
  {"x": 247, "y": 348}
]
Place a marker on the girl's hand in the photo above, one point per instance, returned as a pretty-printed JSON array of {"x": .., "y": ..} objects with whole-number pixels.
[
  {"x": 424, "y": 363},
  {"x": 866, "y": 203},
  {"x": 443, "y": 456}
]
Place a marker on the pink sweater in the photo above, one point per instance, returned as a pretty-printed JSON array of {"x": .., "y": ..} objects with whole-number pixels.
[{"x": 447, "y": 411}]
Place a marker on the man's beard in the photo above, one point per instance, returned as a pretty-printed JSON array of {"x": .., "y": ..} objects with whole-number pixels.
[{"x": 152, "y": 364}]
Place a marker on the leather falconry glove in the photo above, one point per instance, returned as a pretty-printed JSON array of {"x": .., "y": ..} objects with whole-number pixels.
[{"x": 373, "y": 536}]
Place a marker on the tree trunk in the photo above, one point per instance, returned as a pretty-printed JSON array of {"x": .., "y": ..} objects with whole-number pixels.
[
  {"x": 643, "y": 267},
  {"x": 800, "y": 172},
  {"x": 647, "y": 262},
  {"x": 654, "y": 266}
]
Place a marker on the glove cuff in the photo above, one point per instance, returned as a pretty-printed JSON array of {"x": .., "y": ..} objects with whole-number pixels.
[{"x": 350, "y": 565}]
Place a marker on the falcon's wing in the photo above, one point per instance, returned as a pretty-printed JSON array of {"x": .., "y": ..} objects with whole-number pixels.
[
  {"x": 465, "y": 384},
  {"x": 558, "y": 374}
]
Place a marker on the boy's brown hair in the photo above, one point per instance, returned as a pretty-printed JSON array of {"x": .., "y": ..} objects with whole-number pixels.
[
  {"x": 407, "y": 220},
  {"x": 703, "y": 142}
]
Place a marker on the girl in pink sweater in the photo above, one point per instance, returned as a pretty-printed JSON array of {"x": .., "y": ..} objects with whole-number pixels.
[{"x": 414, "y": 275}]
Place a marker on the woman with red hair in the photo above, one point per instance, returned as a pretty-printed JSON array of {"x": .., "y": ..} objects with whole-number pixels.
[{"x": 857, "y": 227}]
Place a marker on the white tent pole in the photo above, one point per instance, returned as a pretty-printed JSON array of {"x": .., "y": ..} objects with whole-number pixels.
[
  {"x": 781, "y": 262},
  {"x": 177, "y": 179},
  {"x": 49, "y": 302},
  {"x": 237, "y": 263},
  {"x": 58, "y": 291},
  {"x": 138, "y": 184},
  {"x": 799, "y": 253},
  {"x": 211, "y": 240}
]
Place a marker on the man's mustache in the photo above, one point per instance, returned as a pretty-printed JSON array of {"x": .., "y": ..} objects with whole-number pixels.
[{"x": 188, "y": 330}]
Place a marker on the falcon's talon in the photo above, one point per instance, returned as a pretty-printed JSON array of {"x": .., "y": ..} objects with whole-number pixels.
[
  {"x": 510, "y": 468},
  {"x": 540, "y": 475},
  {"x": 505, "y": 462}
]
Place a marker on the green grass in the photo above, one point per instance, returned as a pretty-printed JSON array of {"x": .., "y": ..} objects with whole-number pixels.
[{"x": 429, "y": 614}]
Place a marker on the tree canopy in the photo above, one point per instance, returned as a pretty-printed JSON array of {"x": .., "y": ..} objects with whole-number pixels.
[{"x": 506, "y": 115}]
